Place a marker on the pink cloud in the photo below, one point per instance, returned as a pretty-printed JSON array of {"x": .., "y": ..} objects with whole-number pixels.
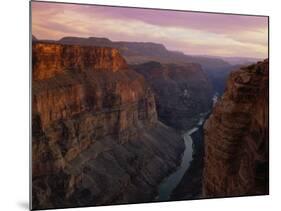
[{"x": 51, "y": 20}]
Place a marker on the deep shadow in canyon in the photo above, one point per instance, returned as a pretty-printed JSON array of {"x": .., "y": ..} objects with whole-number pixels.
[{"x": 109, "y": 121}]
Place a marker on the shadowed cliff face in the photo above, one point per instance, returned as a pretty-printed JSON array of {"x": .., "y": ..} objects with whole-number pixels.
[
  {"x": 182, "y": 92},
  {"x": 236, "y": 136},
  {"x": 95, "y": 134}
]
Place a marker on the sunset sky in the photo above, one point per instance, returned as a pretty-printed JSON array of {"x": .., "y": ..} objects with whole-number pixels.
[{"x": 190, "y": 32}]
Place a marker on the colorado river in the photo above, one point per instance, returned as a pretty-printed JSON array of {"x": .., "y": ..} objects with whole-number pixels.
[
  {"x": 170, "y": 183},
  {"x": 167, "y": 186}
]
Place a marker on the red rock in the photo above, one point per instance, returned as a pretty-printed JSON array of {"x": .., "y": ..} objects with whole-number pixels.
[
  {"x": 236, "y": 136},
  {"x": 95, "y": 134},
  {"x": 52, "y": 59}
]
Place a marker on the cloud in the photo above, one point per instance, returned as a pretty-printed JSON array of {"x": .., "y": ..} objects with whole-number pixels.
[{"x": 192, "y": 33}]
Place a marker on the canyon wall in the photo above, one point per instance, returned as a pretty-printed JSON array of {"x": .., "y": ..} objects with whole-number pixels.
[
  {"x": 52, "y": 59},
  {"x": 142, "y": 52},
  {"x": 237, "y": 136},
  {"x": 96, "y": 138},
  {"x": 216, "y": 69},
  {"x": 182, "y": 92}
]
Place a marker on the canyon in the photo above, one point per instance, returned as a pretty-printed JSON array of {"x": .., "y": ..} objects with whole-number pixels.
[
  {"x": 135, "y": 53},
  {"x": 236, "y": 136},
  {"x": 142, "y": 52},
  {"x": 96, "y": 138},
  {"x": 130, "y": 122},
  {"x": 182, "y": 92}
]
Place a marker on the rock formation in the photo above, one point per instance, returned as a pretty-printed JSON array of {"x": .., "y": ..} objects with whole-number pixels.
[
  {"x": 236, "y": 136},
  {"x": 216, "y": 69},
  {"x": 182, "y": 92},
  {"x": 142, "y": 52},
  {"x": 95, "y": 134},
  {"x": 52, "y": 59}
]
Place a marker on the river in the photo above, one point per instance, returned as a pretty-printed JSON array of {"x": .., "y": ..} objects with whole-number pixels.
[{"x": 167, "y": 186}]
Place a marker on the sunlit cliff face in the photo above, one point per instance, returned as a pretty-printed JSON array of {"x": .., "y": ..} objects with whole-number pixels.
[{"x": 190, "y": 32}]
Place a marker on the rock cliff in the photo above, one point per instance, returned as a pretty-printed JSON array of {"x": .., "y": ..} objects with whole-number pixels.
[
  {"x": 52, "y": 59},
  {"x": 215, "y": 68},
  {"x": 182, "y": 92},
  {"x": 237, "y": 135},
  {"x": 142, "y": 52},
  {"x": 95, "y": 134}
]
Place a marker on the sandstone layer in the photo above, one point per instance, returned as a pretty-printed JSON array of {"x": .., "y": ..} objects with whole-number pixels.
[
  {"x": 96, "y": 138},
  {"x": 182, "y": 92},
  {"x": 237, "y": 135},
  {"x": 52, "y": 59}
]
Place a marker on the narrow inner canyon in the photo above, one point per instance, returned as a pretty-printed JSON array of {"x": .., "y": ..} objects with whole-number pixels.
[{"x": 169, "y": 183}]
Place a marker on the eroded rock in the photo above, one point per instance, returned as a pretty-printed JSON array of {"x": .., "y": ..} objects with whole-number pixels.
[
  {"x": 236, "y": 136},
  {"x": 96, "y": 138}
]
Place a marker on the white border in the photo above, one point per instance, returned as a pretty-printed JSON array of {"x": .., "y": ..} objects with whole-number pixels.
[{"x": 14, "y": 111}]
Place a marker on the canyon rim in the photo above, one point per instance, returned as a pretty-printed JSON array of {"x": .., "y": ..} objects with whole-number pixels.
[{"x": 133, "y": 105}]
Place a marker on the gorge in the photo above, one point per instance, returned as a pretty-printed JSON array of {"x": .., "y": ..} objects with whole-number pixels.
[
  {"x": 96, "y": 138},
  {"x": 111, "y": 127},
  {"x": 182, "y": 92}
]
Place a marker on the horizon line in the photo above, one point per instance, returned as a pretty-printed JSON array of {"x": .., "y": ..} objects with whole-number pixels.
[{"x": 111, "y": 40}]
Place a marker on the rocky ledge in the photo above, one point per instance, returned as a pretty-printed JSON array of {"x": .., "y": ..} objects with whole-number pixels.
[{"x": 236, "y": 136}]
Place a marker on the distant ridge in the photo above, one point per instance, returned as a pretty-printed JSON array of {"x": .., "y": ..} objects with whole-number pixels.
[
  {"x": 140, "y": 52},
  {"x": 216, "y": 68}
]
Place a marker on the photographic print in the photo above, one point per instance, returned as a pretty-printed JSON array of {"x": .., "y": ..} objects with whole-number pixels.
[{"x": 136, "y": 105}]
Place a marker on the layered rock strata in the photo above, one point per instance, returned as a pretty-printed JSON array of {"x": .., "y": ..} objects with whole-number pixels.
[
  {"x": 52, "y": 59},
  {"x": 182, "y": 92},
  {"x": 236, "y": 136},
  {"x": 216, "y": 69},
  {"x": 142, "y": 52},
  {"x": 95, "y": 134}
]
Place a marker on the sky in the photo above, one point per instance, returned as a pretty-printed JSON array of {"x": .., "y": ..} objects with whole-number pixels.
[{"x": 190, "y": 32}]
